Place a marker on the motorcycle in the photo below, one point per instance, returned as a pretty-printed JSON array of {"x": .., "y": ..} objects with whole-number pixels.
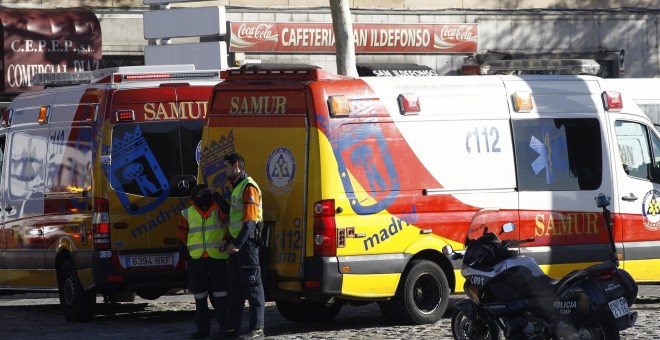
[{"x": 509, "y": 295}]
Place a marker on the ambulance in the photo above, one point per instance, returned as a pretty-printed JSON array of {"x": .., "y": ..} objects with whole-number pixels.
[
  {"x": 644, "y": 92},
  {"x": 364, "y": 180},
  {"x": 95, "y": 170}
]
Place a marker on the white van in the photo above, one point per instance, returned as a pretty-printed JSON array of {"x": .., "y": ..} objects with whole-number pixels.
[
  {"x": 92, "y": 179},
  {"x": 364, "y": 180},
  {"x": 645, "y": 92}
]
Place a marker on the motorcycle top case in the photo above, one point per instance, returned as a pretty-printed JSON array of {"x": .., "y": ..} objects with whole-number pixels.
[{"x": 588, "y": 301}]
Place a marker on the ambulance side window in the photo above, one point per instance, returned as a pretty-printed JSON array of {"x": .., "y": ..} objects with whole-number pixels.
[
  {"x": 2, "y": 156},
  {"x": 26, "y": 170},
  {"x": 558, "y": 154},
  {"x": 634, "y": 149}
]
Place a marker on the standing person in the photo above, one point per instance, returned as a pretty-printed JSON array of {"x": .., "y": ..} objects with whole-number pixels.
[
  {"x": 202, "y": 243},
  {"x": 245, "y": 217}
]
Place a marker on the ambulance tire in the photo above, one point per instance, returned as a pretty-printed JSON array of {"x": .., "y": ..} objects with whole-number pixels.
[
  {"x": 150, "y": 294},
  {"x": 77, "y": 304},
  {"x": 423, "y": 293},
  {"x": 308, "y": 311}
]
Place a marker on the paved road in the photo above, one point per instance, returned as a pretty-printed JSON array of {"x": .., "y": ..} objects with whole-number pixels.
[{"x": 172, "y": 318}]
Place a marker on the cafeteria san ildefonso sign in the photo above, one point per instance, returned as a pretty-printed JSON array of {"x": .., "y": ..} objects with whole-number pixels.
[
  {"x": 292, "y": 37},
  {"x": 47, "y": 41}
]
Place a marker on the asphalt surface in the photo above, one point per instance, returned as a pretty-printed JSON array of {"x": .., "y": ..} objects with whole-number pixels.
[{"x": 172, "y": 317}]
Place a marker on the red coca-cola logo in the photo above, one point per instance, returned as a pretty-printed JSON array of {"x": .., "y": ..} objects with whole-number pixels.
[
  {"x": 258, "y": 31},
  {"x": 460, "y": 33}
]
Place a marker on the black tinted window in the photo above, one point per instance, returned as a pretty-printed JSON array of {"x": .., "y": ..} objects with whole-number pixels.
[
  {"x": 150, "y": 158},
  {"x": 558, "y": 154}
]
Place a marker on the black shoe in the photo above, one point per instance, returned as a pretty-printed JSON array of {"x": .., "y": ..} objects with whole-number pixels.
[
  {"x": 252, "y": 335},
  {"x": 200, "y": 335}
]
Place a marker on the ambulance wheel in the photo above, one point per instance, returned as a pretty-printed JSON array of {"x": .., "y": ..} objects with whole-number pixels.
[
  {"x": 77, "y": 304},
  {"x": 150, "y": 294},
  {"x": 423, "y": 293}
]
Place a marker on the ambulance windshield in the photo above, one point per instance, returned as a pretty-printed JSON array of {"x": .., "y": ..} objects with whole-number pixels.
[{"x": 154, "y": 159}]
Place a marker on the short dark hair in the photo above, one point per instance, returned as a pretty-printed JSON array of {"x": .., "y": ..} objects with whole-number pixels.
[
  {"x": 234, "y": 158},
  {"x": 197, "y": 190}
]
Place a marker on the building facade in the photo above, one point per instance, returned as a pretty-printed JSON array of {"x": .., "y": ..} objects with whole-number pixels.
[{"x": 622, "y": 35}]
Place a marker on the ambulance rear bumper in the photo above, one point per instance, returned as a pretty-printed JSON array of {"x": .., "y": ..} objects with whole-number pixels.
[{"x": 109, "y": 275}]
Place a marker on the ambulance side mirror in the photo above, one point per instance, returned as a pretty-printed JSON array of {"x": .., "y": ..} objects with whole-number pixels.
[{"x": 656, "y": 174}]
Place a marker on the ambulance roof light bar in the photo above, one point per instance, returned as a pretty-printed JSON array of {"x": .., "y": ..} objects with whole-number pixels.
[
  {"x": 274, "y": 72},
  {"x": 150, "y": 72},
  {"x": 62, "y": 79},
  {"x": 143, "y": 69},
  {"x": 541, "y": 66}
]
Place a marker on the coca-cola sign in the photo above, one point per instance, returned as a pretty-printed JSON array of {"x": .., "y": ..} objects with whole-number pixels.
[{"x": 272, "y": 37}]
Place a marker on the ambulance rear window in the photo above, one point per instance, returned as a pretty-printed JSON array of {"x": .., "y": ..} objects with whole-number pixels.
[
  {"x": 150, "y": 159},
  {"x": 558, "y": 154}
]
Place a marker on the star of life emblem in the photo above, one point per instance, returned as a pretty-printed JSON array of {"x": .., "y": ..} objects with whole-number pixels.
[
  {"x": 280, "y": 171},
  {"x": 651, "y": 210}
]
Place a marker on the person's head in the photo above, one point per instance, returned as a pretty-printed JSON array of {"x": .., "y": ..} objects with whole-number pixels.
[
  {"x": 201, "y": 197},
  {"x": 234, "y": 165}
]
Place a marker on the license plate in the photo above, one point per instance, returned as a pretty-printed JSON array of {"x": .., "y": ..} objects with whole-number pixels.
[
  {"x": 619, "y": 307},
  {"x": 149, "y": 261}
]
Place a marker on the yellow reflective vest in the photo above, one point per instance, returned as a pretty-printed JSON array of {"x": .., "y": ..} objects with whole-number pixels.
[
  {"x": 236, "y": 214},
  {"x": 204, "y": 234}
]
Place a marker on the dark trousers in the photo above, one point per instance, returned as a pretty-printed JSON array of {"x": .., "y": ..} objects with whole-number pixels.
[
  {"x": 245, "y": 282},
  {"x": 206, "y": 276}
]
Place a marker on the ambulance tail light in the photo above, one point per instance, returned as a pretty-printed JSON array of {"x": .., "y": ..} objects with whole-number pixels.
[
  {"x": 101, "y": 224},
  {"x": 612, "y": 101},
  {"x": 325, "y": 228},
  {"x": 7, "y": 116},
  {"x": 339, "y": 106},
  {"x": 125, "y": 116},
  {"x": 522, "y": 102},
  {"x": 409, "y": 104}
]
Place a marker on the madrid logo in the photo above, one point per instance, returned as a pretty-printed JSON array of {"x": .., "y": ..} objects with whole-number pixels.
[
  {"x": 651, "y": 210},
  {"x": 281, "y": 170}
]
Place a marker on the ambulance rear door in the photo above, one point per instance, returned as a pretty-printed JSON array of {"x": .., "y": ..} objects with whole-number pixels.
[
  {"x": 269, "y": 126},
  {"x": 156, "y": 132}
]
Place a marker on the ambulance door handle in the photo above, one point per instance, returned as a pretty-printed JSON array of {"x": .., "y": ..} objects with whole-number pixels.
[
  {"x": 630, "y": 198},
  {"x": 360, "y": 235}
]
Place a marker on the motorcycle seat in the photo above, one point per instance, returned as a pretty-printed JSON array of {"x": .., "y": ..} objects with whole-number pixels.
[{"x": 581, "y": 274}]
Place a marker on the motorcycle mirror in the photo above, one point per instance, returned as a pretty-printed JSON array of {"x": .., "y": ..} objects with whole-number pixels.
[
  {"x": 508, "y": 227},
  {"x": 602, "y": 200}
]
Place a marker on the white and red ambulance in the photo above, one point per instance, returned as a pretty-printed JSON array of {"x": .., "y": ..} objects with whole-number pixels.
[
  {"x": 364, "y": 180},
  {"x": 92, "y": 181}
]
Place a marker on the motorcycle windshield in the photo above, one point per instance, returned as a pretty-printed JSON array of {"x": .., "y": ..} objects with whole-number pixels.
[{"x": 491, "y": 220}]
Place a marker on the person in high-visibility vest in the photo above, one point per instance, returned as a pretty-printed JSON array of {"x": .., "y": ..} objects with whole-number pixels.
[
  {"x": 245, "y": 217},
  {"x": 202, "y": 242}
]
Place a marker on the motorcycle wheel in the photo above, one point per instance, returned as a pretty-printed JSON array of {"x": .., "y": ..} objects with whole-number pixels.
[
  {"x": 465, "y": 328},
  {"x": 601, "y": 331}
]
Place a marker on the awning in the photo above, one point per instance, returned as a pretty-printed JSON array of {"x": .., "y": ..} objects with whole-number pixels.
[
  {"x": 394, "y": 70},
  {"x": 47, "y": 41}
]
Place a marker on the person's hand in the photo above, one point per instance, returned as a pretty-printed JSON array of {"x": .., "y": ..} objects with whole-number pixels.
[
  {"x": 223, "y": 246},
  {"x": 231, "y": 249}
]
